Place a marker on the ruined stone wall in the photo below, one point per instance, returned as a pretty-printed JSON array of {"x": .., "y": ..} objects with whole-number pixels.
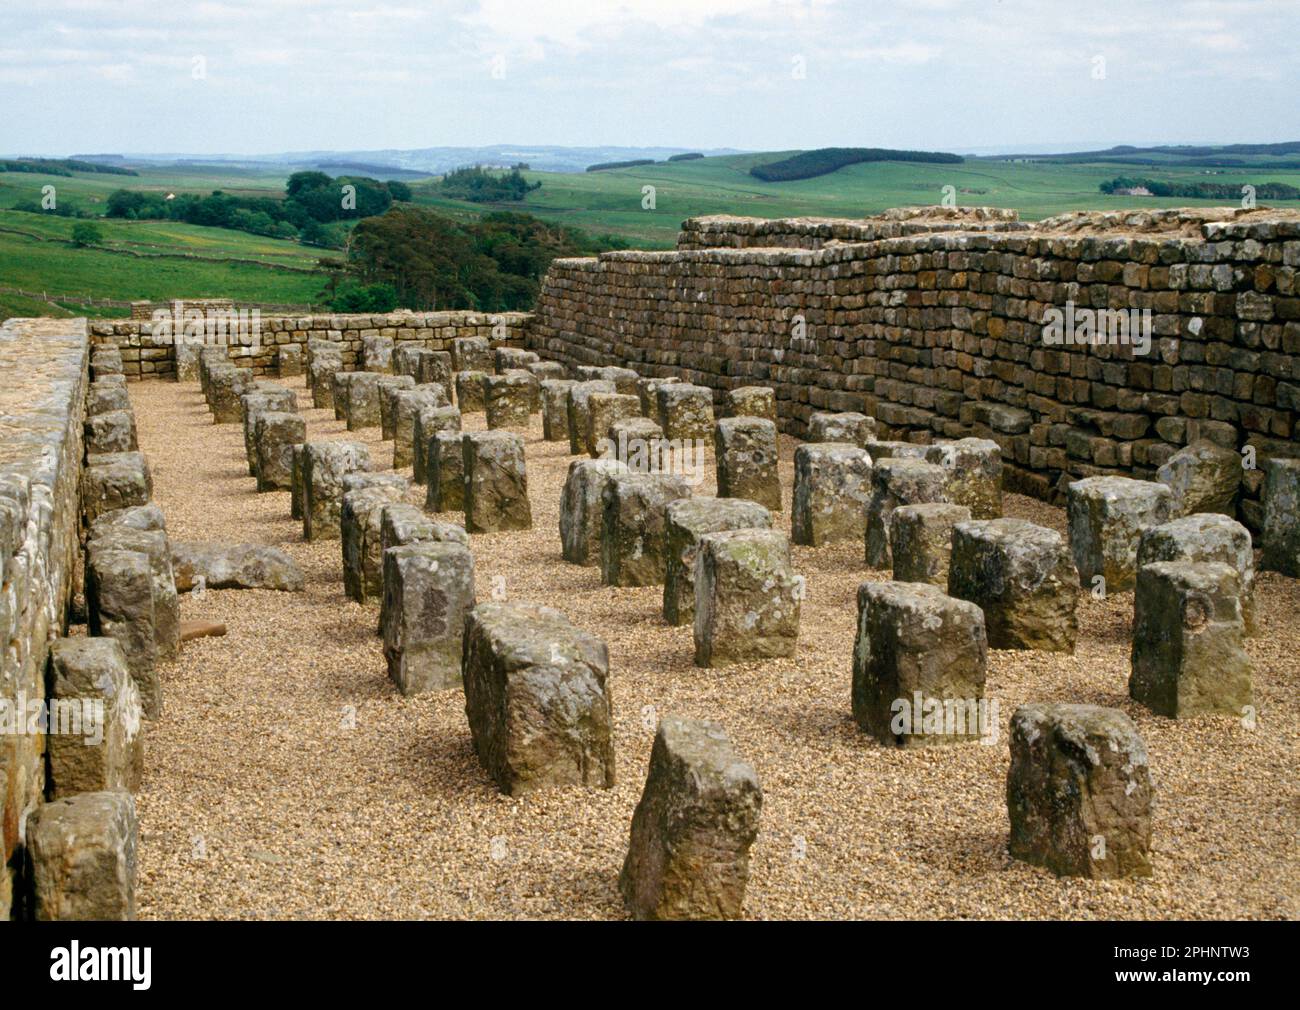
[
  {"x": 145, "y": 356},
  {"x": 727, "y": 232},
  {"x": 941, "y": 334},
  {"x": 42, "y": 409}
]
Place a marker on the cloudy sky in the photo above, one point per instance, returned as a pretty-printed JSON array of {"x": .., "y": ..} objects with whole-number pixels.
[{"x": 261, "y": 76}]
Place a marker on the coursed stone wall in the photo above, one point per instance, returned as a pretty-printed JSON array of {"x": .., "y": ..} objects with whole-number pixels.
[
  {"x": 145, "y": 354},
  {"x": 42, "y": 410},
  {"x": 940, "y": 334}
]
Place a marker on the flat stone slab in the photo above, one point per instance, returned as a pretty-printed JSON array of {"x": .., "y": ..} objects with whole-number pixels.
[{"x": 234, "y": 566}]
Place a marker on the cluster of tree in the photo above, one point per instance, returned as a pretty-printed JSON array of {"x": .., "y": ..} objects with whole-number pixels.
[
  {"x": 84, "y": 234},
  {"x": 481, "y": 186},
  {"x": 60, "y": 209},
  {"x": 429, "y": 261},
  {"x": 60, "y": 166},
  {"x": 1200, "y": 190},
  {"x": 690, "y": 156},
  {"x": 602, "y": 166},
  {"x": 823, "y": 161},
  {"x": 313, "y": 203}
]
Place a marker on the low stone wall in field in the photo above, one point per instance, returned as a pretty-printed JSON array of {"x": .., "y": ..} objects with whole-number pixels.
[
  {"x": 148, "y": 347},
  {"x": 42, "y": 409},
  {"x": 941, "y": 334}
]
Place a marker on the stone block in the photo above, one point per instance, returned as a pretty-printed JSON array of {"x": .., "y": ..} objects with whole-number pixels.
[
  {"x": 445, "y": 472},
  {"x": 1280, "y": 536},
  {"x": 389, "y": 388},
  {"x": 580, "y": 394},
  {"x": 896, "y": 482},
  {"x": 360, "y": 531},
  {"x": 113, "y": 481},
  {"x": 428, "y": 591},
  {"x": 555, "y": 409},
  {"x": 920, "y": 541},
  {"x": 647, "y": 391},
  {"x": 496, "y": 482},
  {"x": 94, "y": 738},
  {"x": 1205, "y": 537},
  {"x": 81, "y": 853},
  {"x": 633, "y": 538},
  {"x": 377, "y": 354},
  {"x": 688, "y": 855},
  {"x": 428, "y": 422},
  {"x": 1107, "y": 516},
  {"x": 603, "y": 410},
  {"x": 508, "y": 399},
  {"x": 919, "y": 663},
  {"x": 325, "y": 464},
  {"x": 362, "y": 407},
  {"x": 1203, "y": 477},
  {"x": 289, "y": 361},
  {"x": 536, "y": 699},
  {"x": 832, "y": 485},
  {"x": 1020, "y": 574},
  {"x": 747, "y": 598},
  {"x": 685, "y": 411},
  {"x": 470, "y": 391},
  {"x": 974, "y": 468},
  {"x": 274, "y": 435},
  {"x": 745, "y": 449},
  {"x": 844, "y": 426},
  {"x": 750, "y": 401},
  {"x": 1188, "y": 628},
  {"x": 408, "y": 405},
  {"x": 471, "y": 354},
  {"x": 686, "y": 521},
  {"x": 113, "y": 431}
]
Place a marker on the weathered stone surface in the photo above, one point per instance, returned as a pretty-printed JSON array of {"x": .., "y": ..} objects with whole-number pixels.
[
  {"x": 297, "y": 493},
  {"x": 624, "y": 379},
  {"x": 154, "y": 545},
  {"x": 471, "y": 354},
  {"x": 685, "y": 411},
  {"x": 1205, "y": 537},
  {"x": 113, "y": 431},
  {"x": 360, "y": 525},
  {"x": 1107, "y": 516},
  {"x": 845, "y": 426},
  {"x": 428, "y": 422},
  {"x": 262, "y": 398},
  {"x": 896, "y": 482},
  {"x": 435, "y": 366},
  {"x": 547, "y": 370},
  {"x": 428, "y": 591},
  {"x": 514, "y": 358},
  {"x": 750, "y": 401},
  {"x": 832, "y": 485},
  {"x": 401, "y": 524},
  {"x": 377, "y": 354},
  {"x": 209, "y": 355},
  {"x": 406, "y": 360},
  {"x": 320, "y": 378},
  {"x": 95, "y": 739},
  {"x": 445, "y": 472},
  {"x": 580, "y": 394},
  {"x": 103, "y": 398},
  {"x": 1079, "y": 792},
  {"x": 647, "y": 391},
  {"x": 1280, "y": 538},
  {"x": 1020, "y": 574},
  {"x": 507, "y": 399},
  {"x": 688, "y": 855},
  {"x": 1188, "y": 658},
  {"x": 470, "y": 391},
  {"x": 879, "y": 450},
  {"x": 325, "y": 464},
  {"x": 289, "y": 361},
  {"x": 113, "y": 481},
  {"x": 82, "y": 855},
  {"x": 974, "y": 468},
  {"x": 633, "y": 540},
  {"x": 389, "y": 387},
  {"x": 274, "y": 436},
  {"x": 747, "y": 598},
  {"x": 637, "y": 441},
  {"x": 555, "y": 409},
  {"x": 686, "y": 521},
  {"x": 919, "y": 663},
  {"x": 496, "y": 482},
  {"x": 920, "y": 540},
  {"x": 226, "y": 384},
  {"x": 234, "y": 566},
  {"x": 105, "y": 360},
  {"x": 362, "y": 407},
  {"x": 360, "y": 480},
  {"x": 1203, "y": 477},
  {"x": 139, "y": 517},
  {"x": 745, "y": 449},
  {"x": 536, "y": 698},
  {"x": 582, "y": 507},
  {"x": 408, "y": 405},
  {"x": 603, "y": 410}
]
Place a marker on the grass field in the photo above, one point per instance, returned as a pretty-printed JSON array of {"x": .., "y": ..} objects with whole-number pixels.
[{"x": 159, "y": 259}]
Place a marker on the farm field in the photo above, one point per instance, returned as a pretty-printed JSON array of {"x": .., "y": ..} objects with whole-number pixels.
[{"x": 40, "y": 270}]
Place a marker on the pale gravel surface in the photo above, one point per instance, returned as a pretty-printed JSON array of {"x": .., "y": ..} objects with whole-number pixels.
[{"x": 288, "y": 779}]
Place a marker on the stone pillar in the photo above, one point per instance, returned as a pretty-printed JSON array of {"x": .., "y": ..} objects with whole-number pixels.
[
  {"x": 535, "y": 696},
  {"x": 919, "y": 663},
  {"x": 275, "y": 434},
  {"x": 920, "y": 539},
  {"x": 974, "y": 468},
  {"x": 603, "y": 410},
  {"x": 686, "y": 521},
  {"x": 1205, "y": 537},
  {"x": 747, "y": 598},
  {"x": 750, "y": 401},
  {"x": 846, "y": 426},
  {"x": 1022, "y": 577},
  {"x": 471, "y": 354},
  {"x": 1280, "y": 538},
  {"x": 91, "y": 685},
  {"x": 445, "y": 472},
  {"x": 428, "y": 422},
  {"x": 555, "y": 409},
  {"x": 496, "y": 482},
  {"x": 288, "y": 361},
  {"x": 82, "y": 853},
  {"x": 647, "y": 391},
  {"x": 407, "y": 406},
  {"x": 1107, "y": 516},
  {"x": 325, "y": 464},
  {"x": 470, "y": 393},
  {"x": 745, "y": 449},
  {"x": 685, "y": 411},
  {"x": 633, "y": 542},
  {"x": 362, "y": 410},
  {"x": 832, "y": 485},
  {"x": 377, "y": 354},
  {"x": 1188, "y": 658},
  {"x": 688, "y": 855},
  {"x": 896, "y": 482},
  {"x": 428, "y": 592},
  {"x": 507, "y": 399},
  {"x": 389, "y": 388},
  {"x": 580, "y": 394},
  {"x": 581, "y": 508},
  {"x": 360, "y": 529},
  {"x": 1079, "y": 792}
]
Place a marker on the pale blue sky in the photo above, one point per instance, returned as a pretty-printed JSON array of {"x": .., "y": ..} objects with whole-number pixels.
[{"x": 96, "y": 76}]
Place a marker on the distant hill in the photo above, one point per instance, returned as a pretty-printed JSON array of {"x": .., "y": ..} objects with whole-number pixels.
[
  {"x": 824, "y": 160},
  {"x": 1181, "y": 155}
]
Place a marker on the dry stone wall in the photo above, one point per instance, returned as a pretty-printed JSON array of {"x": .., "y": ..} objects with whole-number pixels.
[
  {"x": 940, "y": 334},
  {"x": 146, "y": 355},
  {"x": 42, "y": 410}
]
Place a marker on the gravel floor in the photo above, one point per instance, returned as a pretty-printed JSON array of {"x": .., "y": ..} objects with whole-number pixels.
[{"x": 288, "y": 779}]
